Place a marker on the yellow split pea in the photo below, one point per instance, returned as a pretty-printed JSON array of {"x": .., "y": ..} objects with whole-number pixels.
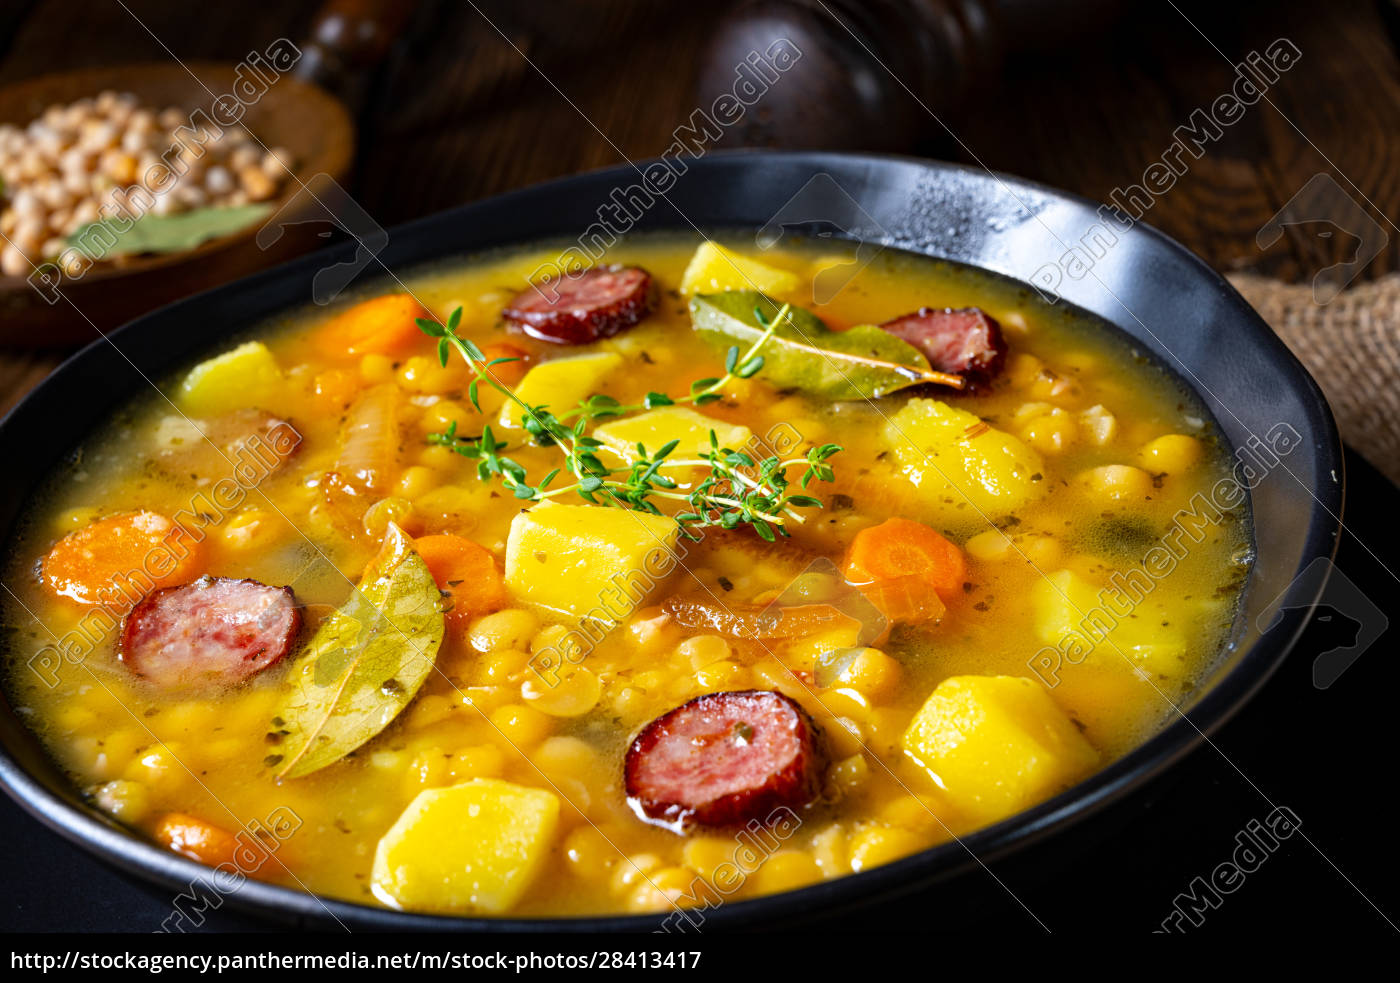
[{"x": 499, "y": 787}]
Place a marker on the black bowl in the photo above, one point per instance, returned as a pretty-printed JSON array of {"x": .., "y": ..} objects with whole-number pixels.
[{"x": 1175, "y": 307}]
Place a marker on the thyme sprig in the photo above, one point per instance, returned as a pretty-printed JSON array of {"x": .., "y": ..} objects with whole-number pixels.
[
  {"x": 735, "y": 490},
  {"x": 702, "y": 391}
]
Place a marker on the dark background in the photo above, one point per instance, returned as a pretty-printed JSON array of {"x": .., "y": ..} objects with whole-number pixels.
[{"x": 455, "y": 113}]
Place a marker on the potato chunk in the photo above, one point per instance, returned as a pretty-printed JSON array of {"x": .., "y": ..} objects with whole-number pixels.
[
  {"x": 1111, "y": 630},
  {"x": 997, "y": 745},
  {"x": 472, "y": 847},
  {"x": 246, "y": 377},
  {"x": 560, "y": 384},
  {"x": 655, "y": 428},
  {"x": 713, "y": 269},
  {"x": 589, "y": 561},
  {"x": 963, "y": 468}
]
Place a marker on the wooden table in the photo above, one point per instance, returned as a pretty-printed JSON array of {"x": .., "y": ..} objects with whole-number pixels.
[{"x": 456, "y": 114}]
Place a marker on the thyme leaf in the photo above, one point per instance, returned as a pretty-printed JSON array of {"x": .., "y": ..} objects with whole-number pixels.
[{"x": 734, "y": 490}]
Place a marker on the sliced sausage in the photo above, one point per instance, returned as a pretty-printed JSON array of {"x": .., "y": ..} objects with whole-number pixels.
[
  {"x": 965, "y": 341},
  {"x": 724, "y": 759},
  {"x": 583, "y": 307},
  {"x": 215, "y": 630}
]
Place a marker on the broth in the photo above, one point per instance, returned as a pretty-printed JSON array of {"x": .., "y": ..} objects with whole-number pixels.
[{"x": 1092, "y": 410}]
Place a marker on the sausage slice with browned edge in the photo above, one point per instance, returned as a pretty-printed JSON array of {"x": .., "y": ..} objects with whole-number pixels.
[
  {"x": 577, "y": 308},
  {"x": 213, "y": 631},
  {"x": 725, "y": 759},
  {"x": 965, "y": 341}
]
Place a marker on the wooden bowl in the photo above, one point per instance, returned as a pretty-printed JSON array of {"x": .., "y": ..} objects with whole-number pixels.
[{"x": 293, "y": 114}]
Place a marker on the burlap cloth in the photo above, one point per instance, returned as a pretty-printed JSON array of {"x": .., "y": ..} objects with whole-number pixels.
[{"x": 1351, "y": 345}]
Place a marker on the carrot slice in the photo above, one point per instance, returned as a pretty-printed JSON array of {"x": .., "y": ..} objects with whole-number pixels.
[
  {"x": 214, "y": 846},
  {"x": 466, "y": 572},
  {"x": 118, "y": 560},
  {"x": 383, "y": 326},
  {"x": 906, "y": 569},
  {"x": 192, "y": 837},
  {"x": 507, "y": 373}
]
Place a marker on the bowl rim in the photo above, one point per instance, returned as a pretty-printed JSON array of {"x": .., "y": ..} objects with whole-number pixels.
[{"x": 131, "y": 854}]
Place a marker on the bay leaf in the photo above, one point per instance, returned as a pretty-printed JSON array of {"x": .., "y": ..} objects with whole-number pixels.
[
  {"x": 864, "y": 362},
  {"x": 175, "y": 233},
  {"x": 364, "y": 663}
]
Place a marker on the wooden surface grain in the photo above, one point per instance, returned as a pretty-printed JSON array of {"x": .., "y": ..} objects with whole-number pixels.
[{"x": 457, "y": 112}]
